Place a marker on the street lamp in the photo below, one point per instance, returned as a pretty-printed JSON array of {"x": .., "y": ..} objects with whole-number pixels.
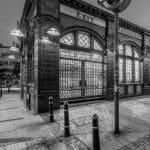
[
  {"x": 53, "y": 31},
  {"x": 11, "y": 56},
  {"x": 116, "y": 6},
  {"x": 17, "y": 32},
  {"x": 14, "y": 48}
]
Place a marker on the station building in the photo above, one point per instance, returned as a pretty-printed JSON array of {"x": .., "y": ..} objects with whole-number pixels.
[{"x": 78, "y": 65}]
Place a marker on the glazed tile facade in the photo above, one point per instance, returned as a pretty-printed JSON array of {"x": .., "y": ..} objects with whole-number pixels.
[{"x": 79, "y": 65}]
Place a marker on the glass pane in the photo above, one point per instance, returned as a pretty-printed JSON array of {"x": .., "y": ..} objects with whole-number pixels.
[
  {"x": 120, "y": 70},
  {"x": 83, "y": 40},
  {"x": 137, "y": 71},
  {"x": 68, "y": 39},
  {"x": 128, "y": 50},
  {"x": 136, "y": 54},
  {"x": 97, "y": 46},
  {"x": 96, "y": 57},
  {"x": 128, "y": 70},
  {"x": 121, "y": 49},
  {"x": 67, "y": 53}
]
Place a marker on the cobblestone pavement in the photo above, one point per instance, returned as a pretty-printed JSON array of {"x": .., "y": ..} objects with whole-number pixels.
[{"x": 22, "y": 130}]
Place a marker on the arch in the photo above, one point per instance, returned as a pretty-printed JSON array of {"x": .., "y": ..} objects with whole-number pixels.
[
  {"x": 133, "y": 44},
  {"x": 84, "y": 29},
  {"x": 131, "y": 57},
  {"x": 82, "y": 73}
]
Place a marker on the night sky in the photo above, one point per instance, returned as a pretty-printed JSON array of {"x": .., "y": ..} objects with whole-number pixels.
[{"x": 11, "y": 10}]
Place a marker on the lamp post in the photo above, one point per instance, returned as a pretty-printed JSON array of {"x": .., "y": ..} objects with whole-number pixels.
[
  {"x": 116, "y": 6},
  {"x": 44, "y": 39}
]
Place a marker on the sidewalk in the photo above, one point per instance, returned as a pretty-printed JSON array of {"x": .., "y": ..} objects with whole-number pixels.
[{"x": 21, "y": 130}]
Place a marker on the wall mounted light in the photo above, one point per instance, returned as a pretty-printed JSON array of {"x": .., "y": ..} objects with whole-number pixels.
[
  {"x": 45, "y": 40},
  {"x": 11, "y": 57},
  {"x": 17, "y": 32},
  {"x": 14, "y": 48},
  {"x": 53, "y": 32}
]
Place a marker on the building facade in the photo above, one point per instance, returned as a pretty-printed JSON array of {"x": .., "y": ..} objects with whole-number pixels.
[
  {"x": 8, "y": 74},
  {"x": 79, "y": 64}
]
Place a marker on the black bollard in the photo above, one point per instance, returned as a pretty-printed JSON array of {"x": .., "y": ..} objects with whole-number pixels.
[
  {"x": 1, "y": 92},
  {"x": 95, "y": 128},
  {"x": 29, "y": 102},
  {"x": 66, "y": 120},
  {"x": 51, "y": 114}
]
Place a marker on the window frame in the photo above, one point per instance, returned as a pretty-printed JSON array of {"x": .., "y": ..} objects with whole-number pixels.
[
  {"x": 133, "y": 60},
  {"x": 76, "y": 47}
]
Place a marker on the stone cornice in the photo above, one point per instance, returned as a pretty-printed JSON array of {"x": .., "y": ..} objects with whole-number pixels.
[
  {"x": 90, "y": 9},
  {"x": 94, "y": 11}
]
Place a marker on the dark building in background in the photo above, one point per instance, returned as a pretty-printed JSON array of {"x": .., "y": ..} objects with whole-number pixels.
[
  {"x": 9, "y": 68},
  {"x": 78, "y": 65}
]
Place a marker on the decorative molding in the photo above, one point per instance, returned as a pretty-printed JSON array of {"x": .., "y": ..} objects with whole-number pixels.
[
  {"x": 91, "y": 10},
  {"x": 96, "y": 12},
  {"x": 82, "y": 15}
]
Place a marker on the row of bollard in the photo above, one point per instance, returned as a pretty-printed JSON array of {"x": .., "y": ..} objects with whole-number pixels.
[{"x": 95, "y": 126}]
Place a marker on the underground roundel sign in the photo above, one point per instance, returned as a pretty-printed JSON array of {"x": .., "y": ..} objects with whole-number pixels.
[{"x": 115, "y": 5}]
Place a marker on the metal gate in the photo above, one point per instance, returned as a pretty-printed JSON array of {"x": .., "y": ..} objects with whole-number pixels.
[{"x": 80, "y": 79}]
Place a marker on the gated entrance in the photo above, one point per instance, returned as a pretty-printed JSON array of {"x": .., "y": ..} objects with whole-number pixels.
[{"x": 81, "y": 73}]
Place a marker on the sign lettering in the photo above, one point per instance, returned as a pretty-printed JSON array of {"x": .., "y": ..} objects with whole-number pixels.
[{"x": 84, "y": 17}]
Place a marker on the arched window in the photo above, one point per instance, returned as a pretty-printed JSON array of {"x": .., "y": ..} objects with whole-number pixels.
[
  {"x": 68, "y": 39},
  {"x": 82, "y": 66},
  {"x": 82, "y": 40},
  {"x": 129, "y": 64},
  {"x": 81, "y": 45}
]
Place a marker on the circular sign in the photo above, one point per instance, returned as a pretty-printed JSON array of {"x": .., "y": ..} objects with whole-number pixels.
[{"x": 115, "y": 5}]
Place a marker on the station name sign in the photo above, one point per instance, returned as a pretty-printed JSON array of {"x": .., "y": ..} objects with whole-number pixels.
[
  {"x": 82, "y": 16},
  {"x": 85, "y": 17}
]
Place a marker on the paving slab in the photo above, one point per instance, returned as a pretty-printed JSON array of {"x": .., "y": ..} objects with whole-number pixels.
[{"x": 22, "y": 130}]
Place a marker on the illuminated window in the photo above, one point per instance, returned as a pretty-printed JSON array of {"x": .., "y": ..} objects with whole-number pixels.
[
  {"x": 97, "y": 45},
  {"x": 68, "y": 39},
  {"x": 120, "y": 70},
  {"x": 129, "y": 60},
  {"x": 137, "y": 71},
  {"x": 80, "y": 39},
  {"x": 121, "y": 49},
  {"x": 128, "y": 70},
  {"x": 128, "y": 50},
  {"x": 83, "y": 40},
  {"x": 136, "y": 54}
]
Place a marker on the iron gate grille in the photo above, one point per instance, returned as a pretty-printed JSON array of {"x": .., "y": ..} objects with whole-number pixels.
[
  {"x": 80, "y": 79},
  {"x": 70, "y": 76}
]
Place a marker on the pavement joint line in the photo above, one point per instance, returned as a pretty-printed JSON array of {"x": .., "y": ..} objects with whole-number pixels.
[
  {"x": 1, "y": 121},
  {"x": 30, "y": 143},
  {"x": 18, "y": 143},
  {"x": 51, "y": 128},
  {"x": 8, "y": 108}
]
